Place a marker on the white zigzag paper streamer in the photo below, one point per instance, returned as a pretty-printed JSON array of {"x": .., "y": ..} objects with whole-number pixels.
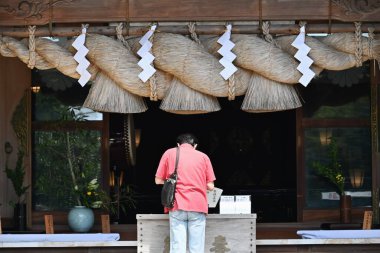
[
  {"x": 228, "y": 56},
  {"x": 146, "y": 57},
  {"x": 301, "y": 55},
  {"x": 80, "y": 57}
]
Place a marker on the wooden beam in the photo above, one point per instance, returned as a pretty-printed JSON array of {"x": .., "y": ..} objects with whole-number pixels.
[
  {"x": 183, "y": 29},
  {"x": 27, "y": 12}
]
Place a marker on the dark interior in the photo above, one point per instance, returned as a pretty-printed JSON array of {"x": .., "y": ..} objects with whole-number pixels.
[{"x": 252, "y": 154}]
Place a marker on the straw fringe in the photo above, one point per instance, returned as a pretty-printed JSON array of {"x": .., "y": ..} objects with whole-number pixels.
[
  {"x": 181, "y": 99},
  {"x": 264, "y": 95},
  {"x": 106, "y": 96}
]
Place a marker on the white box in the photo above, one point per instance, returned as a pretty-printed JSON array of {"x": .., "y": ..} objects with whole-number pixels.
[
  {"x": 227, "y": 205},
  {"x": 243, "y": 204}
]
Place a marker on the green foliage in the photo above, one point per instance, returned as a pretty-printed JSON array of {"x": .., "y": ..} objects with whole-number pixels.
[
  {"x": 62, "y": 157},
  {"x": 67, "y": 168},
  {"x": 66, "y": 155},
  {"x": 333, "y": 170},
  {"x": 127, "y": 198},
  {"x": 17, "y": 175},
  {"x": 90, "y": 194}
]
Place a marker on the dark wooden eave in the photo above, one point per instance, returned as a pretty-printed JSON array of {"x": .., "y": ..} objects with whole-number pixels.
[{"x": 43, "y": 12}]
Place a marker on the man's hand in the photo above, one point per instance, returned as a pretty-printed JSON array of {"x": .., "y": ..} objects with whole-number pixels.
[
  {"x": 210, "y": 186},
  {"x": 159, "y": 180}
]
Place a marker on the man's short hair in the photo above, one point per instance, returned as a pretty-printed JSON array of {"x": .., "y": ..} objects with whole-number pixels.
[{"x": 187, "y": 138}]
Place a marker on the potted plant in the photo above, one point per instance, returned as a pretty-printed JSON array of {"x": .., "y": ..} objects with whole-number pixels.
[
  {"x": 89, "y": 196},
  {"x": 16, "y": 176},
  {"x": 333, "y": 172}
]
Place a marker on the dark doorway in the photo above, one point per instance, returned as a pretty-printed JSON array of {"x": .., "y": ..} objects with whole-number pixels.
[{"x": 252, "y": 154}]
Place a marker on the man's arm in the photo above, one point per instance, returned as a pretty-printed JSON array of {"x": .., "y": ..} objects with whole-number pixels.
[
  {"x": 210, "y": 186},
  {"x": 159, "y": 180}
]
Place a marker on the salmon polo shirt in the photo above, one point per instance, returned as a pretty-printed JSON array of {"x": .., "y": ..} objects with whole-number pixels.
[{"x": 194, "y": 172}]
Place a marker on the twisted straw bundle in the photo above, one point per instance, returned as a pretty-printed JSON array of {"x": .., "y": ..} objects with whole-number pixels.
[
  {"x": 196, "y": 69},
  {"x": 263, "y": 94},
  {"x": 60, "y": 58},
  {"x": 121, "y": 66},
  {"x": 323, "y": 56},
  {"x": 345, "y": 42},
  {"x": 12, "y": 48},
  {"x": 265, "y": 58},
  {"x": 180, "y": 98},
  {"x": 192, "y": 64}
]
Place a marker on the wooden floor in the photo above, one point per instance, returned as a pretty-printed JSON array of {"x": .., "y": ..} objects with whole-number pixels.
[
  {"x": 273, "y": 246},
  {"x": 266, "y": 249},
  {"x": 269, "y": 240}
]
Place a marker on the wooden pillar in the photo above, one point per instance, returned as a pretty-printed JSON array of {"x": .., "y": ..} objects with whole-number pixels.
[
  {"x": 375, "y": 139},
  {"x": 15, "y": 80}
]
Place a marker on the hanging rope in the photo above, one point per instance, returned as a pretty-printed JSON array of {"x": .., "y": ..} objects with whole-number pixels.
[
  {"x": 303, "y": 23},
  {"x": 358, "y": 43},
  {"x": 267, "y": 36},
  {"x": 153, "y": 88},
  {"x": 85, "y": 26},
  {"x": 32, "y": 47},
  {"x": 120, "y": 37},
  {"x": 231, "y": 88},
  {"x": 193, "y": 34}
]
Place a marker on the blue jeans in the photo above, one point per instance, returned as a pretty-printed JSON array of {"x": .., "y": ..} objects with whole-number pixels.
[{"x": 185, "y": 224}]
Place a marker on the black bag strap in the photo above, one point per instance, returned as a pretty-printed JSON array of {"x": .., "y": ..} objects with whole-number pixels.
[{"x": 176, "y": 160}]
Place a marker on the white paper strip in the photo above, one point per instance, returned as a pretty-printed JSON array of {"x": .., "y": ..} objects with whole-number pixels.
[
  {"x": 80, "y": 57},
  {"x": 213, "y": 197},
  {"x": 305, "y": 61},
  {"x": 146, "y": 57},
  {"x": 228, "y": 56}
]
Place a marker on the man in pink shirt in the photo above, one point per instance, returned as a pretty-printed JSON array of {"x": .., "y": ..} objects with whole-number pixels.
[{"x": 195, "y": 177}]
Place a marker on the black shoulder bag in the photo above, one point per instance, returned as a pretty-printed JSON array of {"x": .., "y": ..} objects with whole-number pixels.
[{"x": 168, "y": 190}]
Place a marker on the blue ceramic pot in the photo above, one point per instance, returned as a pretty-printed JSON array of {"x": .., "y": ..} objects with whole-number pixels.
[{"x": 80, "y": 219}]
